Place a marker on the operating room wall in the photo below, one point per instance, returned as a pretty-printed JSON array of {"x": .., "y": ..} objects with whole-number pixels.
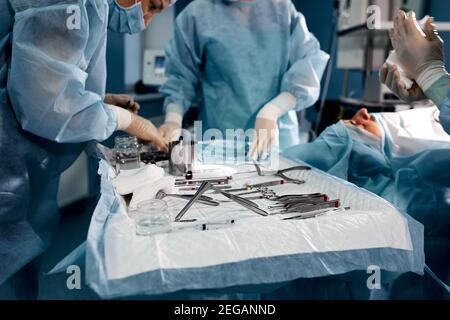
[{"x": 440, "y": 10}]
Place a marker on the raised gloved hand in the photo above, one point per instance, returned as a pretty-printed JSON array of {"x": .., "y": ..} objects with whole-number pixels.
[
  {"x": 418, "y": 50},
  {"x": 390, "y": 76},
  {"x": 266, "y": 135},
  {"x": 124, "y": 101}
]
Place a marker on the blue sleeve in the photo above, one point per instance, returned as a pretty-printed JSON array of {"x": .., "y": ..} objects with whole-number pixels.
[
  {"x": 183, "y": 60},
  {"x": 307, "y": 63},
  {"x": 48, "y": 81},
  {"x": 439, "y": 93}
]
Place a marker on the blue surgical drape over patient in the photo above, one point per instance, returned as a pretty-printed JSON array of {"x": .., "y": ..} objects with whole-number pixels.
[
  {"x": 240, "y": 55},
  {"x": 417, "y": 184}
]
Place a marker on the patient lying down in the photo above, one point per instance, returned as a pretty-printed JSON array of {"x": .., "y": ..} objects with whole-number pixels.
[{"x": 398, "y": 156}]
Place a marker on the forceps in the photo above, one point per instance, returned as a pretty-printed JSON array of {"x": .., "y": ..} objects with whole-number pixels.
[
  {"x": 207, "y": 186},
  {"x": 309, "y": 207},
  {"x": 281, "y": 173},
  {"x": 203, "y": 199},
  {"x": 293, "y": 198}
]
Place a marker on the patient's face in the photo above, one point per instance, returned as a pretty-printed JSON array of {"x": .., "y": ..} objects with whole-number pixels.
[{"x": 364, "y": 120}]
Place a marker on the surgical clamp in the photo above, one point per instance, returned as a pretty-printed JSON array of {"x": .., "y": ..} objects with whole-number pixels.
[
  {"x": 205, "y": 187},
  {"x": 203, "y": 199},
  {"x": 288, "y": 200},
  {"x": 218, "y": 181},
  {"x": 309, "y": 207},
  {"x": 250, "y": 187},
  {"x": 281, "y": 173}
]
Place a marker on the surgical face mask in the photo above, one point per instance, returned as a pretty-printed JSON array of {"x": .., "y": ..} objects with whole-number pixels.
[
  {"x": 126, "y": 20},
  {"x": 365, "y": 137}
]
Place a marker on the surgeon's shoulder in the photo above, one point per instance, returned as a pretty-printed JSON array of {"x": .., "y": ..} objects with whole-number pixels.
[
  {"x": 194, "y": 13},
  {"x": 197, "y": 7},
  {"x": 287, "y": 9}
]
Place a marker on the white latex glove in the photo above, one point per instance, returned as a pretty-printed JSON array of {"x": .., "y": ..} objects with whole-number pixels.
[
  {"x": 266, "y": 134},
  {"x": 390, "y": 76},
  {"x": 417, "y": 49},
  {"x": 171, "y": 129},
  {"x": 266, "y": 128},
  {"x": 139, "y": 127}
]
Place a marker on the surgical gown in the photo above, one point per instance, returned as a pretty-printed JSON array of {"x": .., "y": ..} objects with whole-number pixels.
[
  {"x": 241, "y": 55},
  {"x": 52, "y": 84},
  {"x": 439, "y": 93}
]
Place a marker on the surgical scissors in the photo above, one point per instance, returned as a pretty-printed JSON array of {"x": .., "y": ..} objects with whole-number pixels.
[
  {"x": 207, "y": 186},
  {"x": 203, "y": 199},
  {"x": 281, "y": 173}
]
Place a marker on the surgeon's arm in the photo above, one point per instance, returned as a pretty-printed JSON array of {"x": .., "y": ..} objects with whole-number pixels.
[
  {"x": 300, "y": 86},
  {"x": 55, "y": 94},
  {"x": 439, "y": 93},
  {"x": 183, "y": 73},
  {"x": 308, "y": 63}
]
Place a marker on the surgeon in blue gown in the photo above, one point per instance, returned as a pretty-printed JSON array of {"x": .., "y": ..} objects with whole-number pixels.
[
  {"x": 254, "y": 64},
  {"x": 52, "y": 90},
  {"x": 422, "y": 56}
]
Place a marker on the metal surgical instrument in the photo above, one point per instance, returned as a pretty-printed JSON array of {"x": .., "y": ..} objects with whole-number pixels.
[
  {"x": 207, "y": 186},
  {"x": 203, "y": 199},
  {"x": 315, "y": 214},
  {"x": 281, "y": 173},
  {"x": 219, "y": 181},
  {"x": 309, "y": 207},
  {"x": 194, "y": 188},
  {"x": 290, "y": 200},
  {"x": 258, "y": 186}
]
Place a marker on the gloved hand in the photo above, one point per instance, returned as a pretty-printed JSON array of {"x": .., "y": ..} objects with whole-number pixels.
[
  {"x": 145, "y": 130},
  {"x": 417, "y": 49},
  {"x": 266, "y": 134},
  {"x": 266, "y": 127},
  {"x": 170, "y": 131},
  {"x": 124, "y": 101},
  {"x": 390, "y": 76}
]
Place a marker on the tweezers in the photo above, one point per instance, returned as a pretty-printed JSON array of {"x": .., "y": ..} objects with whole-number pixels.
[{"x": 304, "y": 208}]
